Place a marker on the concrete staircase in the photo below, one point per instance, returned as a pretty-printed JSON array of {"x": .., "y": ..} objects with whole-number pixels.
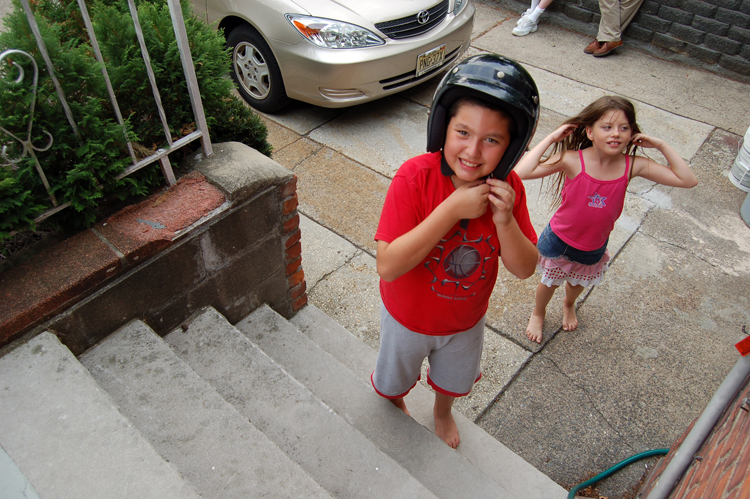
[{"x": 266, "y": 408}]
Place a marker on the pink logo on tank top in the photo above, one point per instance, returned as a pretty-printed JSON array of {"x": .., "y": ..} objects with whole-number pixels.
[{"x": 597, "y": 201}]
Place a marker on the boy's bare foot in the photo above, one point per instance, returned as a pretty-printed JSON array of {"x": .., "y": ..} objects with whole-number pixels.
[
  {"x": 445, "y": 425},
  {"x": 570, "y": 320},
  {"x": 399, "y": 402},
  {"x": 445, "y": 428},
  {"x": 534, "y": 329}
]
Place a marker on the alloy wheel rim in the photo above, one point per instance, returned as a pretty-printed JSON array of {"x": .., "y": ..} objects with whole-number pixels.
[{"x": 252, "y": 70}]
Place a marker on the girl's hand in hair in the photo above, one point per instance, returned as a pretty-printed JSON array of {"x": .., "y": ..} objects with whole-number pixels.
[
  {"x": 562, "y": 132},
  {"x": 646, "y": 141}
]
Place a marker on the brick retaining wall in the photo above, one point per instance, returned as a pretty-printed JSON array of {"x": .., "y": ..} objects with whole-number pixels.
[
  {"x": 711, "y": 34},
  {"x": 162, "y": 260}
]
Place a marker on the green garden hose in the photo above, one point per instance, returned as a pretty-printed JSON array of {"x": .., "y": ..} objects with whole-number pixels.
[{"x": 615, "y": 468}]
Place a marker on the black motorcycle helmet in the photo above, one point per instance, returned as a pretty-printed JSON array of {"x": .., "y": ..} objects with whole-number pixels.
[{"x": 499, "y": 81}]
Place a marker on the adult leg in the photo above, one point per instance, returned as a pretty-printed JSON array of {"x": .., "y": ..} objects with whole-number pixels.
[
  {"x": 570, "y": 320},
  {"x": 615, "y": 18},
  {"x": 445, "y": 425},
  {"x": 628, "y": 10},
  {"x": 544, "y": 294},
  {"x": 609, "y": 25}
]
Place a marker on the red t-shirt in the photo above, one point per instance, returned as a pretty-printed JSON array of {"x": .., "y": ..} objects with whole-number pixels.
[{"x": 449, "y": 291}]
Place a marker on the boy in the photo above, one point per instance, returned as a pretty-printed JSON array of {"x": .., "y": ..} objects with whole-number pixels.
[{"x": 444, "y": 225}]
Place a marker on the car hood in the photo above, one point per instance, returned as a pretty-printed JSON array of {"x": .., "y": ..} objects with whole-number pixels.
[{"x": 356, "y": 11}]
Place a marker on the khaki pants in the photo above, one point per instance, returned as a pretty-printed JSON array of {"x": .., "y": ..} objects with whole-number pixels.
[{"x": 616, "y": 15}]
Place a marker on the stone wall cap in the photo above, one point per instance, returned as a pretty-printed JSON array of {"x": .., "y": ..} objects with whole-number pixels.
[{"x": 238, "y": 170}]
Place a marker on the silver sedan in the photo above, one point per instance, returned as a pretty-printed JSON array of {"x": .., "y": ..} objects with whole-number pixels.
[{"x": 337, "y": 53}]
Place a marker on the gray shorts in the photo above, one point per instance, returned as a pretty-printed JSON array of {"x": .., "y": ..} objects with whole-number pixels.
[{"x": 454, "y": 359}]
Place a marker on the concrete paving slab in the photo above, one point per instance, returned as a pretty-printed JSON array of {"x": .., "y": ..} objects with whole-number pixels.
[
  {"x": 323, "y": 251},
  {"x": 303, "y": 118},
  {"x": 681, "y": 90},
  {"x": 342, "y": 195},
  {"x": 351, "y": 296},
  {"x": 278, "y": 135},
  {"x": 501, "y": 359},
  {"x": 706, "y": 221},
  {"x": 296, "y": 152},
  {"x": 66, "y": 436},
  {"x": 215, "y": 447},
  {"x": 381, "y": 134}
]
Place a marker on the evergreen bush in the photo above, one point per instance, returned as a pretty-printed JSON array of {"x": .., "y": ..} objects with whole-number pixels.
[{"x": 81, "y": 169}]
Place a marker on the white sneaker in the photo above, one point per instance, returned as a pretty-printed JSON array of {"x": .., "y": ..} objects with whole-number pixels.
[
  {"x": 525, "y": 27},
  {"x": 527, "y": 13}
]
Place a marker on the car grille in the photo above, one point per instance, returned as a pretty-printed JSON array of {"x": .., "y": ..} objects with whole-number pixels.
[{"x": 407, "y": 27}]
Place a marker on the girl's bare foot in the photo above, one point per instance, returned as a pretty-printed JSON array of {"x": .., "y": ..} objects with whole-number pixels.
[
  {"x": 534, "y": 329},
  {"x": 570, "y": 320},
  {"x": 399, "y": 402}
]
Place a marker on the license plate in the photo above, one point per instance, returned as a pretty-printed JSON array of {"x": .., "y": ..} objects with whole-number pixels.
[{"x": 430, "y": 60}]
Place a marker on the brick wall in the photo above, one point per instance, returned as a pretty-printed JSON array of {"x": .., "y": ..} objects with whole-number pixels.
[
  {"x": 721, "y": 468},
  {"x": 711, "y": 34}
]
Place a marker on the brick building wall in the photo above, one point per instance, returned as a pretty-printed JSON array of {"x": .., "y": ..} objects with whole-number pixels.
[{"x": 711, "y": 34}]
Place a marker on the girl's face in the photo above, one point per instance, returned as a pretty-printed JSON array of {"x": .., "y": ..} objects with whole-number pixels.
[
  {"x": 475, "y": 142},
  {"x": 611, "y": 133}
]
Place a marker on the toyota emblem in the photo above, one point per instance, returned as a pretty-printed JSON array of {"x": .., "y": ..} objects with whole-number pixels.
[{"x": 423, "y": 17}]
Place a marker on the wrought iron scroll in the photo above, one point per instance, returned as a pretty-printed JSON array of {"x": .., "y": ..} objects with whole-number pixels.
[{"x": 28, "y": 148}]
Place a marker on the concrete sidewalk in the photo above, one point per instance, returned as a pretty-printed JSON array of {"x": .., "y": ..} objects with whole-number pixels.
[{"x": 655, "y": 339}]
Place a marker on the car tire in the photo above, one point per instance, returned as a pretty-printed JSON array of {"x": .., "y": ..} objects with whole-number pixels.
[{"x": 255, "y": 71}]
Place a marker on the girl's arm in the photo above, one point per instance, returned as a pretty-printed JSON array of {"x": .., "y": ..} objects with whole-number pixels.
[
  {"x": 530, "y": 167},
  {"x": 677, "y": 174},
  {"x": 398, "y": 257}
]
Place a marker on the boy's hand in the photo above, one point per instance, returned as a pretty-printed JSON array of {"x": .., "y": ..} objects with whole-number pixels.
[
  {"x": 502, "y": 198},
  {"x": 470, "y": 200}
]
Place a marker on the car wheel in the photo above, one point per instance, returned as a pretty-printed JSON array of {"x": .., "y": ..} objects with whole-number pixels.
[{"x": 255, "y": 70}]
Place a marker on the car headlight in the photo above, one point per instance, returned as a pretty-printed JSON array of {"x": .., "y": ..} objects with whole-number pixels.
[
  {"x": 333, "y": 34},
  {"x": 460, "y": 4}
]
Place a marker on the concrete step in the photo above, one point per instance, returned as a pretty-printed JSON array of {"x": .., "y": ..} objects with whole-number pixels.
[
  {"x": 444, "y": 471},
  {"x": 189, "y": 424},
  {"x": 336, "y": 455},
  {"x": 66, "y": 436},
  {"x": 498, "y": 462}
]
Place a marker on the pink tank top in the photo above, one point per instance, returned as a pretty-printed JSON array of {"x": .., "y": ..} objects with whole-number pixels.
[{"x": 589, "y": 208}]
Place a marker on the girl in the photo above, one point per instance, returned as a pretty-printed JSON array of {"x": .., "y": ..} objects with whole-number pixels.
[{"x": 594, "y": 158}]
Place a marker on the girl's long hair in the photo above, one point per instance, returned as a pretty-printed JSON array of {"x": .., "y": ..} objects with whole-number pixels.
[{"x": 579, "y": 140}]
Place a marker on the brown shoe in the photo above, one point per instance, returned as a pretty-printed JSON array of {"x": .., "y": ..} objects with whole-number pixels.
[
  {"x": 593, "y": 46},
  {"x": 606, "y": 48}
]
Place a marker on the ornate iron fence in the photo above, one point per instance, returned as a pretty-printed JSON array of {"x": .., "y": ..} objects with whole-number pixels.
[{"x": 159, "y": 155}]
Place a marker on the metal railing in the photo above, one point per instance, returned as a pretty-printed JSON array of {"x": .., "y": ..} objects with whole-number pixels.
[{"x": 159, "y": 155}]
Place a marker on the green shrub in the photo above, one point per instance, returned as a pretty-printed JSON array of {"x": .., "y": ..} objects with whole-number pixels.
[{"x": 81, "y": 169}]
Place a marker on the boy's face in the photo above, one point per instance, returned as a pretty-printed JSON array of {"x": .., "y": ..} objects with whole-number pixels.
[{"x": 475, "y": 142}]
